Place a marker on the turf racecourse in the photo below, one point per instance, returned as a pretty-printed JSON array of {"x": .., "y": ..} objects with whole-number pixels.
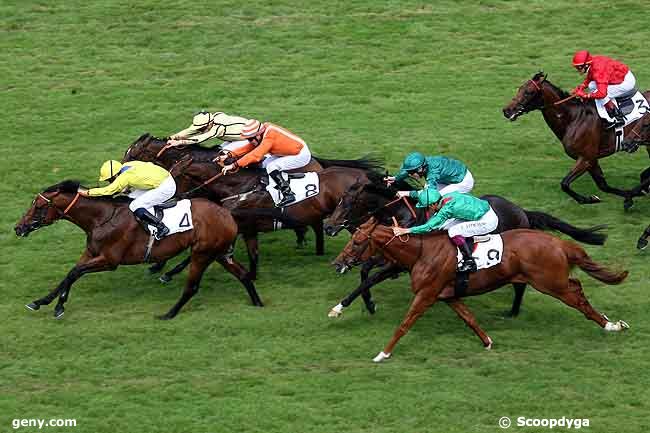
[{"x": 82, "y": 79}]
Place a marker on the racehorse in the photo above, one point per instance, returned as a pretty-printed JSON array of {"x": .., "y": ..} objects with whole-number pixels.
[
  {"x": 194, "y": 166},
  {"x": 365, "y": 200},
  {"x": 114, "y": 237},
  {"x": 529, "y": 256},
  {"x": 577, "y": 125}
]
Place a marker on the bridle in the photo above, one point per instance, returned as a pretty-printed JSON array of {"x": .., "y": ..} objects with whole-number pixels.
[
  {"x": 40, "y": 215},
  {"x": 381, "y": 248},
  {"x": 347, "y": 223}
]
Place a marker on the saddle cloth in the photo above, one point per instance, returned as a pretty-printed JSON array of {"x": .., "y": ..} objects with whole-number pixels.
[
  {"x": 633, "y": 108},
  {"x": 488, "y": 251},
  {"x": 177, "y": 218},
  {"x": 303, "y": 185}
]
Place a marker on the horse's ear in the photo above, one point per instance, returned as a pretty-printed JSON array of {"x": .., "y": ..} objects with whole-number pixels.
[{"x": 545, "y": 75}]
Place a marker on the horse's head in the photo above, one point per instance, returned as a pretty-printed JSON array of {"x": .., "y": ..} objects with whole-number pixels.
[
  {"x": 347, "y": 210},
  {"x": 529, "y": 97},
  {"x": 146, "y": 148},
  {"x": 358, "y": 249},
  {"x": 47, "y": 207}
]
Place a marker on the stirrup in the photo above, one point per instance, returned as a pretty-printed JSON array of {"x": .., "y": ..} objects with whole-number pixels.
[
  {"x": 467, "y": 266},
  {"x": 161, "y": 233},
  {"x": 290, "y": 198}
]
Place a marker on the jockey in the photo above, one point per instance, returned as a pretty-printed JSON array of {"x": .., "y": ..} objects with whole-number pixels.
[
  {"x": 442, "y": 173},
  {"x": 462, "y": 215},
  {"x": 207, "y": 125},
  {"x": 149, "y": 185},
  {"x": 606, "y": 79},
  {"x": 287, "y": 152}
]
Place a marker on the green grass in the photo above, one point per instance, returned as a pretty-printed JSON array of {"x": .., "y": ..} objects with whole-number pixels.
[{"x": 81, "y": 80}]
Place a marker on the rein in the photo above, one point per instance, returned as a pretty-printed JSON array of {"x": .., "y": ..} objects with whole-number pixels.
[
  {"x": 562, "y": 101},
  {"x": 406, "y": 202}
]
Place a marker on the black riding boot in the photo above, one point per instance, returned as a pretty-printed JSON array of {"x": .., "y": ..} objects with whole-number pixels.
[
  {"x": 145, "y": 215},
  {"x": 468, "y": 264},
  {"x": 283, "y": 185},
  {"x": 616, "y": 114}
]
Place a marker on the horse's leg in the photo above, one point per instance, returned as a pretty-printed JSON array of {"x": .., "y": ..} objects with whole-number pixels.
[
  {"x": 520, "y": 288},
  {"x": 239, "y": 271},
  {"x": 167, "y": 276},
  {"x": 85, "y": 265},
  {"x": 468, "y": 317},
  {"x": 578, "y": 170},
  {"x": 423, "y": 300},
  {"x": 642, "y": 243},
  {"x": 596, "y": 173},
  {"x": 320, "y": 237},
  {"x": 199, "y": 262},
  {"x": 376, "y": 278},
  {"x": 637, "y": 191},
  {"x": 157, "y": 267},
  {"x": 573, "y": 296},
  {"x": 253, "y": 254},
  {"x": 300, "y": 237}
]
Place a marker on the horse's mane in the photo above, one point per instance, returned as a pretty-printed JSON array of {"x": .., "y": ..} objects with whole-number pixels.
[
  {"x": 199, "y": 153},
  {"x": 72, "y": 186},
  {"x": 65, "y": 186},
  {"x": 575, "y": 102}
]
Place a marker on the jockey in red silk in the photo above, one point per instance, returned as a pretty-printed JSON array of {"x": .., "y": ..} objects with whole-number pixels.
[{"x": 606, "y": 78}]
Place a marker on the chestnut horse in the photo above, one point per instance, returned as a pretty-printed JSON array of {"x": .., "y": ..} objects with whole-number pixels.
[
  {"x": 365, "y": 200},
  {"x": 577, "y": 125},
  {"x": 114, "y": 237},
  {"x": 533, "y": 257}
]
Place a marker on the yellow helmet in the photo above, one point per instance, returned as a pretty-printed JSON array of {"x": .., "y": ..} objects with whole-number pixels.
[{"x": 109, "y": 169}]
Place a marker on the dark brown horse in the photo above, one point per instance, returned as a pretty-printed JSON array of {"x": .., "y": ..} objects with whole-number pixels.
[
  {"x": 114, "y": 237},
  {"x": 529, "y": 256},
  {"x": 365, "y": 200},
  {"x": 577, "y": 125}
]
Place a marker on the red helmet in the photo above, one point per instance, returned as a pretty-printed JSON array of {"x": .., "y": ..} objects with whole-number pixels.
[{"x": 581, "y": 58}]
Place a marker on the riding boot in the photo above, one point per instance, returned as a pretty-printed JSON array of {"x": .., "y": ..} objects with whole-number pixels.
[
  {"x": 144, "y": 215},
  {"x": 468, "y": 264},
  {"x": 283, "y": 185},
  {"x": 615, "y": 113}
]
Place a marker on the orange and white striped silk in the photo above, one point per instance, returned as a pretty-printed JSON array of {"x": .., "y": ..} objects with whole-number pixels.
[{"x": 275, "y": 141}]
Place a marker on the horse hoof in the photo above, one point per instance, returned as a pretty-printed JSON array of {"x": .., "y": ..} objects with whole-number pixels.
[
  {"x": 594, "y": 199},
  {"x": 336, "y": 311},
  {"x": 165, "y": 278},
  {"x": 33, "y": 306},
  {"x": 58, "y": 313},
  {"x": 642, "y": 244},
  {"x": 165, "y": 317},
  {"x": 489, "y": 345},
  {"x": 381, "y": 357},
  {"x": 624, "y": 325},
  {"x": 627, "y": 204}
]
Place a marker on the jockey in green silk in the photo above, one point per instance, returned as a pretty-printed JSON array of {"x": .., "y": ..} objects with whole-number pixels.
[
  {"x": 462, "y": 215},
  {"x": 441, "y": 173}
]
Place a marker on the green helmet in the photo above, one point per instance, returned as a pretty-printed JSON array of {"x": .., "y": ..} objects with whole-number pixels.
[
  {"x": 427, "y": 197},
  {"x": 413, "y": 161}
]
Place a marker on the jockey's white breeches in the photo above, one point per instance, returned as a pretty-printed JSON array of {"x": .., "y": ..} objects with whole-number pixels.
[
  {"x": 483, "y": 226},
  {"x": 148, "y": 198},
  {"x": 614, "y": 90},
  {"x": 288, "y": 162},
  {"x": 464, "y": 185}
]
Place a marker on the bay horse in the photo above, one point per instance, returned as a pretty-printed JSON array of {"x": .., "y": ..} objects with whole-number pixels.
[
  {"x": 529, "y": 256},
  {"x": 578, "y": 127},
  {"x": 363, "y": 201},
  {"x": 114, "y": 237}
]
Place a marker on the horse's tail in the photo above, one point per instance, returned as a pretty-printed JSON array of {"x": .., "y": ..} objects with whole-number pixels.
[
  {"x": 578, "y": 256},
  {"x": 544, "y": 221},
  {"x": 364, "y": 163}
]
